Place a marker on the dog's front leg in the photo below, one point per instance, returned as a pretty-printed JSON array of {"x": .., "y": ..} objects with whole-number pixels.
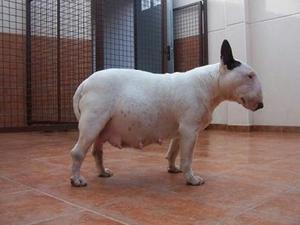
[{"x": 188, "y": 136}]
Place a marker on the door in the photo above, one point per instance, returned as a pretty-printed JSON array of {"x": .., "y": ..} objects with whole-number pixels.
[{"x": 150, "y": 35}]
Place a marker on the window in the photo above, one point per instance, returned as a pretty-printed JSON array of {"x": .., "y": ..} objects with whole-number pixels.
[
  {"x": 146, "y": 4},
  {"x": 156, "y": 2}
]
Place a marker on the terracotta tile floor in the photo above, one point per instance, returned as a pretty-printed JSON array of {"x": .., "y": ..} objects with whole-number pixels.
[{"x": 251, "y": 178}]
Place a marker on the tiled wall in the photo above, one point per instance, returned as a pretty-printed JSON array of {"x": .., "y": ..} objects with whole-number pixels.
[{"x": 275, "y": 54}]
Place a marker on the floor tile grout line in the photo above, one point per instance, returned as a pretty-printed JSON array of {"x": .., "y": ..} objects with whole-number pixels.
[
  {"x": 247, "y": 181},
  {"x": 267, "y": 183},
  {"x": 83, "y": 208},
  {"x": 54, "y": 217},
  {"x": 69, "y": 203},
  {"x": 253, "y": 206},
  {"x": 15, "y": 182},
  {"x": 17, "y": 192}
]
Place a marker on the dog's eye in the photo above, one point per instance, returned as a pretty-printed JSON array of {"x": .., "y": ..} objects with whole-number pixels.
[{"x": 250, "y": 76}]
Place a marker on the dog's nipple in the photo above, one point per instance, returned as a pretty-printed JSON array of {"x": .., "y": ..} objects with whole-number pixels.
[
  {"x": 159, "y": 141},
  {"x": 141, "y": 145}
]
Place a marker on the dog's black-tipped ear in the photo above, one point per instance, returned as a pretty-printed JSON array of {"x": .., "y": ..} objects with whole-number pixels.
[{"x": 227, "y": 57}]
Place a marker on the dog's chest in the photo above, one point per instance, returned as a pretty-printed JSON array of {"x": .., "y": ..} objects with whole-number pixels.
[{"x": 205, "y": 121}]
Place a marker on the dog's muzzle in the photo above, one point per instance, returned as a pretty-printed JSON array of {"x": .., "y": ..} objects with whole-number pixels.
[{"x": 259, "y": 106}]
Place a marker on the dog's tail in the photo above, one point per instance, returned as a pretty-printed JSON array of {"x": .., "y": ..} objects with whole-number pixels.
[{"x": 76, "y": 99}]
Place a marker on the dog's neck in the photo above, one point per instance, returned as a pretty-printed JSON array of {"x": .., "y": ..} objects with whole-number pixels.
[{"x": 209, "y": 79}]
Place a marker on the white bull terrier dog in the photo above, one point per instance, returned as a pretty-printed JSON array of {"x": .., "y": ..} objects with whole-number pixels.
[{"x": 132, "y": 108}]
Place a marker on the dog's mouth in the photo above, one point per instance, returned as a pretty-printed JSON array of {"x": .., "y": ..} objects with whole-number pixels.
[
  {"x": 248, "y": 105},
  {"x": 244, "y": 103}
]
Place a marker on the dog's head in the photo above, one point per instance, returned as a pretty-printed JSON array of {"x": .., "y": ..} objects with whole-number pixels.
[{"x": 238, "y": 81}]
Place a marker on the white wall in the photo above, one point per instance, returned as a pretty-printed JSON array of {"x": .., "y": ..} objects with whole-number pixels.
[
  {"x": 275, "y": 44},
  {"x": 265, "y": 34}
]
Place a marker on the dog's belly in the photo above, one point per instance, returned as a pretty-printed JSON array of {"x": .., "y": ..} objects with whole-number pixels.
[{"x": 138, "y": 130}]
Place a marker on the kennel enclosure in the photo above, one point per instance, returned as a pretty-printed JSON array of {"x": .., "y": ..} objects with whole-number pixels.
[{"x": 48, "y": 47}]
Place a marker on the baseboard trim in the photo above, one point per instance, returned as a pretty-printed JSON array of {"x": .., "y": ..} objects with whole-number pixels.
[
  {"x": 254, "y": 128},
  {"x": 71, "y": 127},
  {"x": 42, "y": 128}
]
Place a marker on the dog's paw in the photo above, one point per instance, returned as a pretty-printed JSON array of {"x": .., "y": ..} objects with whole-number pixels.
[
  {"x": 106, "y": 173},
  {"x": 78, "y": 181},
  {"x": 195, "y": 181},
  {"x": 174, "y": 170}
]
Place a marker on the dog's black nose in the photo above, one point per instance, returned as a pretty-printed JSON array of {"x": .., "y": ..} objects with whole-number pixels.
[{"x": 260, "y": 106}]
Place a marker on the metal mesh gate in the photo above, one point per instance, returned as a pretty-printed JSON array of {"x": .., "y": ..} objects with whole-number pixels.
[
  {"x": 190, "y": 36},
  {"x": 114, "y": 34},
  {"x": 12, "y": 63},
  {"x": 60, "y": 45}
]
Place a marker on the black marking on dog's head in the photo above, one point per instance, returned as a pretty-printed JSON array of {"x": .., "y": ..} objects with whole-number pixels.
[{"x": 227, "y": 57}]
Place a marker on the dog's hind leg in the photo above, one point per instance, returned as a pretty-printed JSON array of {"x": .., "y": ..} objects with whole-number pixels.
[
  {"x": 172, "y": 155},
  {"x": 89, "y": 126},
  {"x": 98, "y": 156}
]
